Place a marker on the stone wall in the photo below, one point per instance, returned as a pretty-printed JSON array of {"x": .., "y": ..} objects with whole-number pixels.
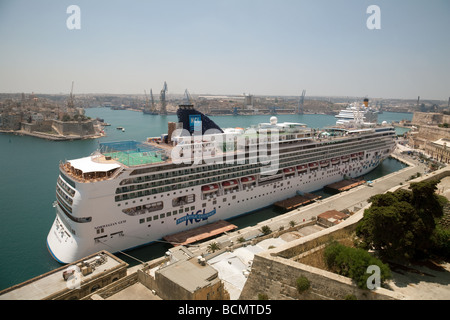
[
  {"x": 84, "y": 128},
  {"x": 274, "y": 272},
  {"x": 276, "y": 277},
  {"x": 42, "y": 126},
  {"x": 114, "y": 287},
  {"x": 429, "y": 118}
]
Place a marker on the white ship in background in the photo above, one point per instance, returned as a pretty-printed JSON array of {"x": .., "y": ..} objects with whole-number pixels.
[
  {"x": 128, "y": 194},
  {"x": 357, "y": 113}
]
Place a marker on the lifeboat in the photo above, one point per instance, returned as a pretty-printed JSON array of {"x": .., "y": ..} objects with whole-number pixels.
[
  {"x": 354, "y": 155},
  {"x": 230, "y": 184},
  {"x": 313, "y": 165},
  {"x": 246, "y": 180},
  {"x": 302, "y": 168},
  {"x": 210, "y": 188},
  {"x": 335, "y": 161},
  {"x": 289, "y": 171},
  {"x": 345, "y": 158},
  {"x": 324, "y": 163}
]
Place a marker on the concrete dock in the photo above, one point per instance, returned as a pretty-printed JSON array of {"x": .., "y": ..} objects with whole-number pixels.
[
  {"x": 344, "y": 185},
  {"x": 296, "y": 201}
]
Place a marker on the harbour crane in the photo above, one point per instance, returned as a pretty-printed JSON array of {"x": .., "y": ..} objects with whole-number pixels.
[
  {"x": 70, "y": 103},
  {"x": 146, "y": 102},
  {"x": 163, "y": 99},
  {"x": 300, "y": 103}
]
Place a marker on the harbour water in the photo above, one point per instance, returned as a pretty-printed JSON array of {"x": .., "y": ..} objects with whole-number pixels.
[{"x": 29, "y": 169}]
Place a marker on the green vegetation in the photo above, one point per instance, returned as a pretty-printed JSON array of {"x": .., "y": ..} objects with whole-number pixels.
[
  {"x": 302, "y": 284},
  {"x": 213, "y": 247},
  {"x": 266, "y": 230},
  {"x": 402, "y": 224},
  {"x": 263, "y": 296},
  {"x": 353, "y": 263}
]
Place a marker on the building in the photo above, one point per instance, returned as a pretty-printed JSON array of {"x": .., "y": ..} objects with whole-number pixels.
[
  {"x": 439, "y": 149},
  {"x": 70, "y": 282},
  {"x": 331, "y": 218},
  {"x": 185, "y": 277}
]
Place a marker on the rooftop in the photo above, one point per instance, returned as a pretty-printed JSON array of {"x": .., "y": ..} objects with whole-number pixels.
[{"x": 53, "y": 282}]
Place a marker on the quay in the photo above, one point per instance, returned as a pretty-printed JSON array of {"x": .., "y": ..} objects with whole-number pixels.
[
  {"x": 199, "y": 233},
  {"x": 296, "y": 201},
  {"x": 344, "y": 185},
  {"x": 52, "y": 136}
]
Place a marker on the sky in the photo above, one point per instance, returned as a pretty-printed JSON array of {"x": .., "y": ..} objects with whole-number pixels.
[{"x": 260, "y": 47}]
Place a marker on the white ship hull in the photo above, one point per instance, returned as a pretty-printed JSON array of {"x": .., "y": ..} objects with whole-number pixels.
[
  {"x": 110, "y": 229},
  {"x": 129, "y": 194}
]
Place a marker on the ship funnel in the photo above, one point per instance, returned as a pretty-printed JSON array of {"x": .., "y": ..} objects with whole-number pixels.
[{"x": 366, "y": 102}]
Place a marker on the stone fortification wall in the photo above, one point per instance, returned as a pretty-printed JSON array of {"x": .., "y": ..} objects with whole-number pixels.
[
  {"x": 74, "y": 128},
  {"x": 428, "y": 118},
  {"x": 276, "y": 277},
  {"x": 433, "y": 133},
  {"x": 42, "y": 126},
  {"x": 275, "y": 272}
]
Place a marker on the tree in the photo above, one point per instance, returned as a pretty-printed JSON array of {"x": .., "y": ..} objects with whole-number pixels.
[
  {"x": 400, "y": 224},
  {"x": 213, "y": 247},
  {"x": 266, "y": 230},
  {"x": 353, "y": 263}
]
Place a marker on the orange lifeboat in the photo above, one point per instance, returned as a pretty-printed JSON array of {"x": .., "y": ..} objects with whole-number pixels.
[
  {"x": 289, "y": 171},
  {"x": 335, "y": 161},
  {"x": 313, "y": 165},
  {"x": 324, "y": 163},
  {"x": 230, "y": 184},
  {"x": 246, "y": 180},
  {"x": 210, "y": 188}
]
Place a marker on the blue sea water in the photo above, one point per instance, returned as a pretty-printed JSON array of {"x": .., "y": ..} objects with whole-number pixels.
[{"x": 29, "y": 169}]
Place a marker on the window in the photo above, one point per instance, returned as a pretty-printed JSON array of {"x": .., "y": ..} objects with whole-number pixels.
[{"x": 141, "y": 220}]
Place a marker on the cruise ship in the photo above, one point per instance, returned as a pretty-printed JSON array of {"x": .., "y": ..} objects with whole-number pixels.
[
  {"x": 128, "y": 194},
  {"x": 356, "y": 113}
]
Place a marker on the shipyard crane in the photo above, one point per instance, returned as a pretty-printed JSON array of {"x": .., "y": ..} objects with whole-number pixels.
[
  {"x": 149, "y": 109},
  {"x": 70, "y": 103},
  {"x": 300, "y": 103},
  {"x": 146, "y": 102},
  {"x": 187, "y": 98},
  {"x": 163, "y": 99},
  {"x": 152, "y": 102}
]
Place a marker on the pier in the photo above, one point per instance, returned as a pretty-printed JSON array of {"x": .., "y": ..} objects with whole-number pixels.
[
  {"x": 344, "y": 185},
  {"x": 200, "y": 233},
  {"x": 296, "y": 201}
]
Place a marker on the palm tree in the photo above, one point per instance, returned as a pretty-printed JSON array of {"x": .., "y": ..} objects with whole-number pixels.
[{"x": 212, "y": 247}]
